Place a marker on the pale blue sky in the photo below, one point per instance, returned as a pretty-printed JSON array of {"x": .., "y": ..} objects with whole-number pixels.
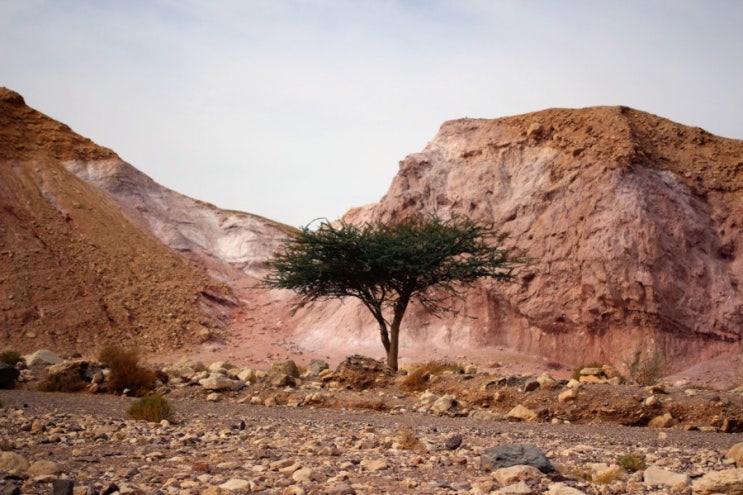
[{"x": 302, "y": 109}]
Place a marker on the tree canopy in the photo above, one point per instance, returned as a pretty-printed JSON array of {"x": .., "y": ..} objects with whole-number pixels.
[{"x": 388, "y": 265}]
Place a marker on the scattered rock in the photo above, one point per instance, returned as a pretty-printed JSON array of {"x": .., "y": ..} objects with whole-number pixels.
[
  {"x": 453, "y": 442},
  {"x": 513, "y": 474},
  {"x": 44, "y": 468},
  {"x": 43, "y": 357},
  {"x": 735, "y": 454},
  {"x": 729, "y": 481},
  {"x": 514, "y": 455},
  {"x": 664, "y": 421},
  {"x": 443, "y": 404},
  {"x": 13, "y": 463},
  {"x": 521, "y": 413},
  {"x": 288, "y": 368},
  {"x": 655, "y": 475},
  {"x": 217, "y": 382},
  {"x": 316, "y": 367}
]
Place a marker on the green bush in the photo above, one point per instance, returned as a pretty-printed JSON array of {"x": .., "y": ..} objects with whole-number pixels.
[
  {"x": 153, "y": 408},
  {"x": 10, "y": 357},
  {"x": 632, "y": 462},
  {"x": 646, "y": 370},
  {"x": 126, "y": 373}
]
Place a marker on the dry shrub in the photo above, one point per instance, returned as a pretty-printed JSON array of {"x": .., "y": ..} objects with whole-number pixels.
[
  {"x": 126, "y": 373},
  {"x": 418, "y": 379},
  {"x": 152, "y": 408},
  {"x": 407, "y": 439},
  {"x": 646, "y": 370},
  {"x": 10, "y": 357}
]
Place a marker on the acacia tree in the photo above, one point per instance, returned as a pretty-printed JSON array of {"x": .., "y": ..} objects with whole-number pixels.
[{"x": 388, "y": 265}]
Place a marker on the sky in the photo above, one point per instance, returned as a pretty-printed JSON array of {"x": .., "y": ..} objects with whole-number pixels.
[{"x": 301, "y": 109}]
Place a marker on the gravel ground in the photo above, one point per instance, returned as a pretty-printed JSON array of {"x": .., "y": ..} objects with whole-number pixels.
[{"x": 228, "y": 447}]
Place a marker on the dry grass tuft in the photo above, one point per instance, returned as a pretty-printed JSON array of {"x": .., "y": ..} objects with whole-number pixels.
[{"x": 152, "y": 408}]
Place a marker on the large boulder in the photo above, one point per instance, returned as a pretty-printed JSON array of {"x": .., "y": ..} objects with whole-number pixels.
[
  {"x": 504, "y": 456},
  {"x": 360, "y": 373}
]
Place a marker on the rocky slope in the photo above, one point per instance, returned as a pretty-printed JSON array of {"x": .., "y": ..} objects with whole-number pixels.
[
  {"x": 74, "y": 272},
  {"x": 631, "y": 224}
]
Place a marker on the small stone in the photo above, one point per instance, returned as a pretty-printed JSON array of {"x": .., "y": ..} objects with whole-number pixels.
[
  {"x": 284, "y": 368},
  {"x": 235, "y": 484},
  {"x": 213, "y": 397},
  {"x": 563, "y": 489},
  {"x": 664, "y": 421},
  {"x": 217, "y": 382},
  {"x": 43, "y": 357},
  {"x": 302, "y": 474},
  {"x": 63, "y": 487},
  {"x": 735, "y": 454},
  {"x": 531, "y": 385},
  {"x": 443, "y": 404},
  {"x": 513, "y": 474},
  {"x": 546, "y": 381},
  {"x": 567, "y": 395},
  {"x": 316, "y": 367},
  {"x": 521, "y": 413},
  {"x": 655, "y": 475},
  {"x": 453, "y": 442},
  {"x": 652, "y": 401},
  {"x": 374, "y": 465}
]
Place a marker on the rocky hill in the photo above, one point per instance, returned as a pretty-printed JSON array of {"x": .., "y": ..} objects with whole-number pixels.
[
  {"x": 631, "y": 223},
  {"x": 76, "y": 273}
]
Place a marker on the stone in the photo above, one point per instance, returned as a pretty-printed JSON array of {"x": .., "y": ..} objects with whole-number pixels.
[
  {"x": 610, "y": 372},
  {"x": 279, "y": 380},
  {"x": 515, "y": 455},
  {"x": 546, "y": 381},
  {"x": 591, "y": 379},
  {"x": 247, "y": 375},
  {"x": 521, "y": 413},
  {"x": 63, "y": 487},
  {"x": 735, "y": 454},
  {"x": 563, "y": 489},
  {"x": 43, "y": 357},
  {"x": 316, "y": 367},
  {"x": 44, "y": 468},
  {"x": 284, "y": 368},
  {"x": 427, "y": 398},
  {"x": 220, "y": 367},
  {"x": 443, "y": 404},
  {"x": 664, "y": 421},
  {"x": 235, "y": 484},
  {"x": 10, "y": 489},
  {"x": 655, "y": 475},
  {"x": 8, "y": 376},
  {"x": 302, "y": 474},
  {"x": 218, "y": 382},
  {"x": 470, "y": 369},
  {"x": 13, "y": 463},
  {"x": 567, "y": 395},
  {"x": 591, "y": 372},
  {"x": 652, "y": 401},
  {"x": 342, "y": 489},
  {"x": 375, "y": 465},
  {"x": 520, "y": 488},
  {"x": 453, "y": 442},
  {"x": 531, "y": 385},
  {"x": 513, "y": 474},
  {"x": 729, "y": 481}
]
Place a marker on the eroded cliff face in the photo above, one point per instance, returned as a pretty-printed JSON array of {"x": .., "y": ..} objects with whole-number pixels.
[{"x": 631, "y": 224}]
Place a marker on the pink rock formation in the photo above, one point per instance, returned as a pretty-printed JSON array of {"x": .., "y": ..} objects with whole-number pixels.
[{"x": 631, "y": 225}]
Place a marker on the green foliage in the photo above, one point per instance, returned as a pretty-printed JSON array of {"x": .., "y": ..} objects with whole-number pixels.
[
  {"x": 10, "y": 357},
  {"x": 126, "y": 374},
  {"x": 152, "y": 408},
  {"x": 387, "y": 265},
  {"x": 632, "y": 462},
  {"x": 646, "y": 370}
]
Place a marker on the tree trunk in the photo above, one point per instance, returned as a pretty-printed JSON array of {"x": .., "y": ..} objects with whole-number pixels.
[
  {"x": 384, "y": 335},
  {"x": 392, "y": 352}
]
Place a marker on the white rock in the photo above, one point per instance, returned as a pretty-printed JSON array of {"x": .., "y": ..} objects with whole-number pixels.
[
  {"x": 43, "y": 468},
  {"x": 374, "y": 465},
  {"x": 513, "y": 474},
  {"x": 655, "y": 475},
  {"x": 521, "y": 413},
  {"x": 729, "y": 481},
  {"x": 563, "y": 489},
  {"x": 43, "y": 357},
  {"x": 520, "y": 488},
  {"x": 216, "y": 381},
  {"x": 302, "y": 474},
  {"x": 443, "y": 404}
]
